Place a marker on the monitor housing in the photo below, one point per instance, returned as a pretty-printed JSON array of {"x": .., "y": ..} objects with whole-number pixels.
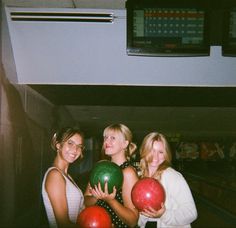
[
  {"x": 167, "y": 28},
  {"x": 229, "y": 31}
]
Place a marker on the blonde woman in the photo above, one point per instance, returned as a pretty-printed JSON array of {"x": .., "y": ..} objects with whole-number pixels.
[
  {"x": 179, "y": 209},
  {"x": 119, "y": 147},
  {"x": 63, "y": 199}
]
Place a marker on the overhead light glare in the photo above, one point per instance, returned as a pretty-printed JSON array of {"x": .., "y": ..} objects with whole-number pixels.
[{"x": 62, "y": 16}]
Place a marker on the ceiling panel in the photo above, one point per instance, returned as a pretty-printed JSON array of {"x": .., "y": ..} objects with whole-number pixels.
[
  {"x": 101, "y": 4},
  {"x": 194, "y": 113},
  {"x": 139, "y": 95}
]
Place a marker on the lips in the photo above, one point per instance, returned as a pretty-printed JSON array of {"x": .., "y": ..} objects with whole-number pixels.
[
  {"x": 154, "y": 163},
  {"x": 72, "y": 156}
]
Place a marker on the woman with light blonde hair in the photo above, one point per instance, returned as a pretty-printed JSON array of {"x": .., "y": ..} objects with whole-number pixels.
[
  {"x": 146, "y": 157},
  {"x": 118, "y": 146},
  {"x": 179, "y": 209}
]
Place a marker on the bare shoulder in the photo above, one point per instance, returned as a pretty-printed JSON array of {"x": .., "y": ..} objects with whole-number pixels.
[
  {"x": 54, "y": 176},
  {"x": 54, "y": 172},
  {"x": 129, "y": 172}
]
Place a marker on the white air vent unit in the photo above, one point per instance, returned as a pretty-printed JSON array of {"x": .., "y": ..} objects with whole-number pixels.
[{"x": 62, "y": 16}]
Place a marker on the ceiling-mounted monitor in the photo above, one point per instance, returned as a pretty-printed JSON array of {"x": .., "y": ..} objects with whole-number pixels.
[
  {"x": 167, "y": 28},
  {"x": 229, "y": 32}
]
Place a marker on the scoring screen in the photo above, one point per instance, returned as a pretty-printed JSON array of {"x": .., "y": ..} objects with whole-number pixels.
[
  {"x": 177, "y": 26},
  {"x": 232, "y": 25}
]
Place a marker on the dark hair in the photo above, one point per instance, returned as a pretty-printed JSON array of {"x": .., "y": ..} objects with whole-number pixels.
[{"x": 64, "y": 134}]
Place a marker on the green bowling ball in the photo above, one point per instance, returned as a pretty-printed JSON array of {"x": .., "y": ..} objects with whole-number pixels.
[{"x": 105, "y": 170}]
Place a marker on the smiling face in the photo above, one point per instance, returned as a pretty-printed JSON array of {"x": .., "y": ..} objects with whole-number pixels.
[
  {"x": 114, "y": 142},
  {"x": 71, "y": 149},
  {"x": 157, "y": 153}
]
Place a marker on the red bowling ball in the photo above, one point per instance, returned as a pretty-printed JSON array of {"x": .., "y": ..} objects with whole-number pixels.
[
  {"x": 94, "y": 217},
  {"x": 148, "y": 192}
]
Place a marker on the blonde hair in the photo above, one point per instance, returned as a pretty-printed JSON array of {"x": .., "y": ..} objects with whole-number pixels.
[
  {"x": 146, "y": 155},
  {"x": 125, "y": 131}
]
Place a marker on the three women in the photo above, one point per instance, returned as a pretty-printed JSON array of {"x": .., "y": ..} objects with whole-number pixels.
[{"x": 64, "y": 200}]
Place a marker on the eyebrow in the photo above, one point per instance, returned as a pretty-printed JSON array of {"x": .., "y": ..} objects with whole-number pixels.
[{"x": 71, "y": 140}]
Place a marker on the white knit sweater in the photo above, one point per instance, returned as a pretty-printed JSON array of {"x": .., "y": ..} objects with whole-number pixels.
[{"x": 180, "y": 207}]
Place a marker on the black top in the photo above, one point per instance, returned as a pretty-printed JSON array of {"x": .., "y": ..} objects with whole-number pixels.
[{"x": 115, "y": 219}]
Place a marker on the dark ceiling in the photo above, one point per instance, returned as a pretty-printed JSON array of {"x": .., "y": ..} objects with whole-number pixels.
[{"x": 138, "y": 95}]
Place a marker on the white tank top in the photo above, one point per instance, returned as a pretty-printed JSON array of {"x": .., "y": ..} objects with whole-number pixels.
[{"x": 74, "y": 196}]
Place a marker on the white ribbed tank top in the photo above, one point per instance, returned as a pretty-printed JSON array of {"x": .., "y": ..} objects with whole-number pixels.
[{"x": 74, "y": 196}]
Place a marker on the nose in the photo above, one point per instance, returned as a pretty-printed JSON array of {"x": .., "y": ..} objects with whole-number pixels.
[
  {"x": 107, "y": 140},
  {"x": 155, "y": 155},
  {"x": 76, "y": 149}
]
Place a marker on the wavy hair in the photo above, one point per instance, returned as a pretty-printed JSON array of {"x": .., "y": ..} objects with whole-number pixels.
[{"x": 146, "y": 155}]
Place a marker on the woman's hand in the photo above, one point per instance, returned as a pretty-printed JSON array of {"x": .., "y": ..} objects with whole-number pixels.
[
  {"x": 98, "y": 193},
  {"x": 151, "y": 213}
]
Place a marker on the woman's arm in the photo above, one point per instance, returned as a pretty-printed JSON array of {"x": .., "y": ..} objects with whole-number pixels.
[
  {"x": 127, "y": 212},
  {"x": 55, "y": 186}
]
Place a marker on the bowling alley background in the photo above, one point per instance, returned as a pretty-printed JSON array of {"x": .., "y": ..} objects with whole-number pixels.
[
  {"x": 30, "y": 114},
  {"x": 208, "y": 164}
]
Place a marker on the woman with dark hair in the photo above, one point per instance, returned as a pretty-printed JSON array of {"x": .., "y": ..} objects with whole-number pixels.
[
  {"x": 179, "y": 209},
  {"x": 63, "y": 199}
]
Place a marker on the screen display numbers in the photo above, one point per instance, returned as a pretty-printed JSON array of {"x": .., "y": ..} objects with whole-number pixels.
[
  {"x": 171, "y": 27},
  {"x": 232, "y": 25}
]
